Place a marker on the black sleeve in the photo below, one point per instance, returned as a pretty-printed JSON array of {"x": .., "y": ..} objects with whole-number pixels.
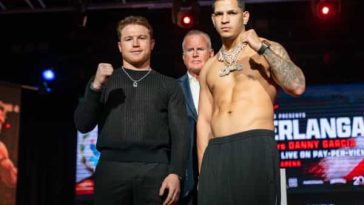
[
  {"x": 87, "y": 113},
  {"x": 178, "y": 126}
]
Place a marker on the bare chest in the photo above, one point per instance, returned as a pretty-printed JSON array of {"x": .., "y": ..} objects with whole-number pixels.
[{"x": 247, "y": 70}]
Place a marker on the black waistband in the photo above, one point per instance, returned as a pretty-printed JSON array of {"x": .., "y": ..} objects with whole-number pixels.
[{"x": 242, "y": 136}]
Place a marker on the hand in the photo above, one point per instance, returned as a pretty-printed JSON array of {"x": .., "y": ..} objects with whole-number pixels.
[
  {"x": 172, "y": 183},
  {"x": 8, "y": 173},
  {"x": 252, "y": 39},
  {"x": 104, "y": 71}
]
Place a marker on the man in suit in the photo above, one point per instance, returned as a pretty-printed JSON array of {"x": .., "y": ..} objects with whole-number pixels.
[{"x": 197, "y": 50}]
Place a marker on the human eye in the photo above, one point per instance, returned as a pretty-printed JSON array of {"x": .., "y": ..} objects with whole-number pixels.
[
  {"x": 218, "y": 13},
  {"x": 232, "y": 12},
  {"x": 201, "y": 49},
  {"x": 189, "y": 50},
  {"x": 128, "y": 38},
  {"x": 143, "y": 37}
]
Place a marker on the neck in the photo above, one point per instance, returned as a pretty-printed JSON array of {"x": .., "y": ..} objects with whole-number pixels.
[
  {"x": 229, "y": 43},
  {"x": 195, "y": 75},
  {"x": 140, "y": 67}
]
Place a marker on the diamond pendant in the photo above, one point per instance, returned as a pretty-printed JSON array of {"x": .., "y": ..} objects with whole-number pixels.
[
  {"x": 236, "y": 67},
  {"x": 135, "y": 84},
  {"x": 224, "y": 71},
  {"x": 228, "y": 69}
]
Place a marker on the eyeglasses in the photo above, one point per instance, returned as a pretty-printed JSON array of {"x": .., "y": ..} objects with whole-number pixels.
[{"x": 190, "y": 51}]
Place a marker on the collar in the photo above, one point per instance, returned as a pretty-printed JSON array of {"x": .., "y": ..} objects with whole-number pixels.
[{"x": 191, "y": 77}]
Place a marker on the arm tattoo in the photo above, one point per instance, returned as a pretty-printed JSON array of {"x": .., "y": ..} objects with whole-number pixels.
[{"x": 285, "y": 72}]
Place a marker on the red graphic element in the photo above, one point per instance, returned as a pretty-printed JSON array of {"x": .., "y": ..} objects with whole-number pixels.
[
  {"x": 275, "y": 107},
  {"x": 357, "y": 171},
  {"x": 304, "y": 145},
  {"x": 7, "y": 125},
  {"x": 330, "y": 144},
  {"x": 290, "y": 163},
  {"x": 345, "y": 162},
  {"x": 85, "y": 187},
  {"x": 281, "y": 146}
]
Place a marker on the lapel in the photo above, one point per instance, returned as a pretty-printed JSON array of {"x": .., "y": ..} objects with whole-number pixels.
[{"x": 188, "y": 95}]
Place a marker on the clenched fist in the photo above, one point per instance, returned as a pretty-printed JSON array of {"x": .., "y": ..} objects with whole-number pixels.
[{"x": 104, "y": 71}]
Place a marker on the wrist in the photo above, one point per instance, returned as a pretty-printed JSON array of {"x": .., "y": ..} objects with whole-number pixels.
[
  {"x": 180, "y": 178},
  {"x": 265, "y": 45},
  {"x": 95, "y": 87}
]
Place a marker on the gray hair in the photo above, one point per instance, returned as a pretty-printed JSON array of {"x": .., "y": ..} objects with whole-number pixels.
[{"x": 197, "y": 32}]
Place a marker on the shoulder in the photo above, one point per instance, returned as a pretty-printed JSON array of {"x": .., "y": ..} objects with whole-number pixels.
[
  {"x": 209, "y": 64},
  {"x": 211, "y": 61},
  {"x": 162, "y": 76},
  {"x": 167, "y": 82},
  {"x": 183, "y": 78}
]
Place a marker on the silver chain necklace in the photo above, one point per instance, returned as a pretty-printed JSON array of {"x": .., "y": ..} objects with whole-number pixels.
[
  {"x": 229, "y": 59},
  {"x": 135, "y": 82}
]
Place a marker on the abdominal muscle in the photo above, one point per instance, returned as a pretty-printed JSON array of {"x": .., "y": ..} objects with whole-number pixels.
[{"x": 244, "y": 107}]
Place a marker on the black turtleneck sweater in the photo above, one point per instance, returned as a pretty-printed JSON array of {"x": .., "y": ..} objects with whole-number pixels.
[{"x": 147, "y": 123}]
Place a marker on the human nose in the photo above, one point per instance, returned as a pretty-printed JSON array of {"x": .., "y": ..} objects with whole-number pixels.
[
  {"x": 225, "y": 18},
  {"x": 195, "y": 52},
  {"x": 135, "y": 42}
]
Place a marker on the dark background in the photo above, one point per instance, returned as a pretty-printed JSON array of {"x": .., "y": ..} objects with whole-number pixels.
[{"x": 329, "y": 52}]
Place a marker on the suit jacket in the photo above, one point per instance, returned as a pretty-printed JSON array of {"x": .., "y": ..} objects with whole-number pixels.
[{"x": 191, "y": 174}]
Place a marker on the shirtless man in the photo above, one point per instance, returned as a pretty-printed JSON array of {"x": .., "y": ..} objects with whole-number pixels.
[{"x": 235, "y": 123}]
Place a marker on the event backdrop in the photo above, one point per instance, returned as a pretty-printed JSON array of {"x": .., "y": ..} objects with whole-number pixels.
[
  {"x": 87, "y": 158},
  {"x": 320, "y": 137},
  {"x": 9, "y": 135}
]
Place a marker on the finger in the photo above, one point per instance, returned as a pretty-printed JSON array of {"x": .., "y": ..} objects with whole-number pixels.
[
  {"x": 161, "y": 190},
  {"x": 178, "y": 195},
  {"x": 169, "y": 198},
  {"x": 105, "y": 66},
  {"x": 102, "y": 66},
  {"x": 175, "y": 197},
  {"x": 107, "y": 69},
  {"x": 104, "y": 72}
]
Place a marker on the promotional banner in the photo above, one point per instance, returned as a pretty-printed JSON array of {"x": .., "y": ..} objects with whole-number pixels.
[
  {"x": 9, "y": 135},
  {"x": 320, "y": 136},
  {"x": 87, "y": 158}
]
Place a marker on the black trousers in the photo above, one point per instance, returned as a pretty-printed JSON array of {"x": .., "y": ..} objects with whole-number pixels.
[
  {"x": 241, "y": 169},
  {"x": 129, "y": 183}
]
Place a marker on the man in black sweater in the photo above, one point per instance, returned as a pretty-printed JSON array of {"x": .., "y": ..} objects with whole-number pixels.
[{"x": 143, "y": 124}]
